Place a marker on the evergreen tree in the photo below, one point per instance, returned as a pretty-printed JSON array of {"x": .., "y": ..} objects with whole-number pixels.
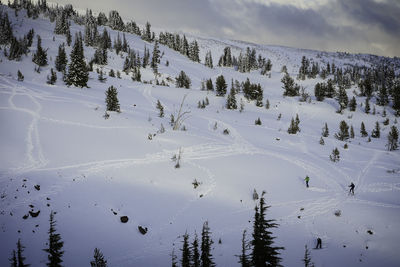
[
  {"x": 363, "y": 132},
  {"x": 101, "y": 76},
  {"x": 289, "y": 86},
  {"x": 78, "y": 74},
  {"x": 267, "y": 104},
  {"x": 68, "y": 37},
  {"x": 220, "y": 86},
  {"x": 325, "y": 130},
  {"x": 62, "y": 25},
  {"x": 342, "y": 99},
  {"x": 321, "y": 141},
  {"x": 258, "y": 121},
  {"x": 209, "y": 85},
  {"x": 231, "y": 100},
  {"x": 293, "y": 128},
  {"x": 244, "y": 258},
  {"x": 160, "y": 108},
  {"x": 182, "y": 81},
  {"x": 335, "y": 156},
  {"x": 383, "y": 97},
  {"x": 52, "y": 78},
  {"x": 353, "y": 104},
  {"x": 61, "y": 59},
  {"x": 208, "y": 62},
  {"x": 319, "y": 92},
  {"x": 376, "y": 133},
  {"x": 156, "y": 58},
  {"x": 40, "y": 57},
  {"x": 396, "y": 98},
  {"x": 343, "y": 133},
  {"x": 206, "y": 243},
  {"x": 115, "y": 21},
  {"x": 20, "y": 257},
  {"x": 307, "y": 258},
  {"x": 185, "y": 251},
  {"x": 13, "y": 259},
  {"x": 54, "y": 250},
  {"x": 330, "y": 90},
  {"x": 111, "y": 73},
  {"x": 98, "y": 259},
  {"x": 195, "y": 259},
  {"x": 112, "y": 99},
  {"x": 393, "y": 139},
  {"x": 351, "y": 131},
  {"x": 174, "y": 258},
  {"x": 20, "y": 76},
  {"x": 264, "y": 253},
  {"x": 367, "y": 107}
]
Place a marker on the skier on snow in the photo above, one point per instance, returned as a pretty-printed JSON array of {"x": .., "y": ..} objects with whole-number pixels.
[
  {"x": 351, "y": 191},
  {"x": 307, "y": 179}
]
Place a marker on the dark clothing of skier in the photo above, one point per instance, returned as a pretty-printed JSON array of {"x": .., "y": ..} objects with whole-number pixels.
[
  {"x": 351, "y": 188},
  {"x": 319, "y": 243},
  {"x": 307, "y": 179}
]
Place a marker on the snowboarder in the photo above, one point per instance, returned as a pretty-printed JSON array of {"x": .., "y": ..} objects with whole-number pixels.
[
  {"x": 307, "y": 179},
  {"x": 319, "y": 243},
  {"x": 351, "y": 188}
]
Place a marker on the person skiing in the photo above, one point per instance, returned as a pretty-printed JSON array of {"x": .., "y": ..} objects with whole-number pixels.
[
  {"x": 351, "y": 191},
  {"x": 319, "y": 243},
  {"x": 307, "y": 179}
]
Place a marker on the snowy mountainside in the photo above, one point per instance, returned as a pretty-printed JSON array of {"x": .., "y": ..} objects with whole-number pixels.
[{"x": 93, "y": 170}]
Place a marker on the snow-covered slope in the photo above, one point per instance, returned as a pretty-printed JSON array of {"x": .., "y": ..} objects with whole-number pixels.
[{"x": 88, "y": 167}]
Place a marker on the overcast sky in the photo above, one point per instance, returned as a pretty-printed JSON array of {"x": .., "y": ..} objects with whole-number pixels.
[{"x": 357, "y": 26}]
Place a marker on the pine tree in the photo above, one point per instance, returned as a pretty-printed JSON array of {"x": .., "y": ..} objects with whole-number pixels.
[
  {"x": 307, "y": 258},
  {"x": 383, "y": 97},
  {"x": 40, "y": 57},
  {"x": 319, "y": 92},
  {"x": 52, "y": 78},
  {"x": 363, "y": 132},
  {"x": 258, "y": 121},
  {"x": 325, "y": 130},
  {"x": 182, "y": 81},
  {"x": 289, "y": 86},
  {"x": 267, "y": 105},
  {"x": 367, "y": 107},
  {"x": 206, "y": 243},
  {"x": 101, "y": 76},
  {"x": 185, "y": 261},
  {"x": 209, "y": 85},
  {"x": 330, "y": 90},
  {"x": 244, "y": 258},
  {"x": 396, "y": 98},
  {"x": 342, "y": 99},
  {"x": 98, "y": 259},
  {"x": 20, "y": 257},
  {"x": 174, "y": 259},
  {"x": 264, "y": 253},
  {"x": 220, "y": 86},
  {"x": 293, "y": 128},
  {"x": 321, "y": 141},
  {"x": 160, "y": 108},
  {"x": 13, "y": 259},
  {"x": 78, "y": 74},
  {"x": 156, "y": 57},
  {"x": 351, "y": 131},
  {"x": 231, "y": 100},
  {"x": 54, "y": 250},
  {"x": 335, "y": 156},
  {"x": 208, "y": 62},
  {"x": 61, "y": 59},
  {"x": 112, "y": 99},
  {"x": 393, "y": 139},
  {"x": 20, "y": 76},
  {"x": 195, "y": 255},
  {"x": 343, "y": 133},
  {"x": 376, "y": 133},
  {"x": 353, "y": 104}
]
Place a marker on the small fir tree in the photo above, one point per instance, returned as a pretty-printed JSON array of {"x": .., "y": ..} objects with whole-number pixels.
[
  {"x": 393, "y": 139},
  {"x": 13, "y": 259},
  {"x": 363, "y": 132},
  {"x": 351, "y": 131},
  {"x": 353, "y": 104},
  {"x": 376, "y": 132},
  {"x": 40, "y": 57},
  {"x": 52, "y": 78},
  {"x": 160, "y": 108},
  {"x": 267, "y": 105},
  {"x": 20, "y": 76},
  {"x": 367, "y": 108},
  {"x": 335, "y": 156},
  {"x": 343, "y": 133},
  {"x": 321, "y": 141},
  {"x": 325, "y": 130},
  {"x": 185, "y": 261},
  {"x": 307, "y": 258},
  {"x": 264, "y": 253},
  {"x": 342, "y": 99},
  {"x": 258, "y": 121},
  {"x": 244, "y": 257},
  {"x": 231, "y": 100},
  {"x": 54, "y": 250},
  {"x": 289, "y": 86},
  {"x": 112, "y": 99},
  {"x": 98, "y": 259},
  {"x": 220, "y": 86},
  {"x": 209, "y": 85},
  {"x": 195, "y": 255},
  {"x": 78, "y": 74},
  {"x": 61, "y": 59},
  {"x": 206, "y": 243},
  {"x": 20, "y": 256},
  {"x": 101, "y": 77},
  {"x": 182, "y": 81}
]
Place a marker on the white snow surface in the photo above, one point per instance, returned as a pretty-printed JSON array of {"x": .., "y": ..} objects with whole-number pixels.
[{"x": 56, "y": 137}]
